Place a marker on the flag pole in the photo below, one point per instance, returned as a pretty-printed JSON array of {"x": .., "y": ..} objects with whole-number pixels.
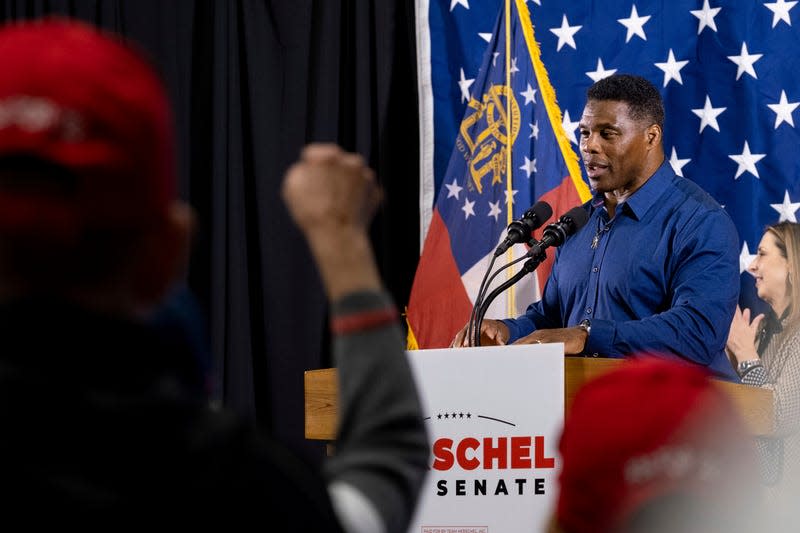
[{"x": 510, "y": 303}]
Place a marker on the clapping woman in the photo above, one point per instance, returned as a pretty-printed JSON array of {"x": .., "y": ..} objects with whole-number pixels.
[{"x": 766, "y": 350}]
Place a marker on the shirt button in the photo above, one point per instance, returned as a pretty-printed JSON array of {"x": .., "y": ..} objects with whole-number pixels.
[
  {"x": 596, "y": 269},
  {"x": 588, "y": 310},
  {"x": 595, "y": 354}
]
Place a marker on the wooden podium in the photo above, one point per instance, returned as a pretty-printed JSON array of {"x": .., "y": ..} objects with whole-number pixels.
[{"x": 321, "y": 397}]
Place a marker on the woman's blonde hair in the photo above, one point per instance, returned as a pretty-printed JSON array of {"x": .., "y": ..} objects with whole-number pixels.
[{"x": 787, "y": 239}]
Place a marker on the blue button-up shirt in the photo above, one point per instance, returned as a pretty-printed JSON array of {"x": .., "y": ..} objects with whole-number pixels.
[{"x": 662, "y": 279}]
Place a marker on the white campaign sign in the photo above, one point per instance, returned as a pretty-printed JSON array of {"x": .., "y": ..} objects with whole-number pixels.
[{"x": 494, "y": 416}]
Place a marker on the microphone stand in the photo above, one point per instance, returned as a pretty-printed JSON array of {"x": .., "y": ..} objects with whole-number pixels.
[{"x": 529, "y": 266}]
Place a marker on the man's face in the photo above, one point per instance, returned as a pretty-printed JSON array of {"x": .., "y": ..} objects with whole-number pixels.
[{"x": 614, "y": 146}]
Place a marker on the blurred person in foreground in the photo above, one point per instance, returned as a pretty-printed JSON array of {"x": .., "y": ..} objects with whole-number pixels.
[
  {"x": 654, "y": 446},
  {"x": 105, "y": 421},
  {"x": 765, "y": 350}
]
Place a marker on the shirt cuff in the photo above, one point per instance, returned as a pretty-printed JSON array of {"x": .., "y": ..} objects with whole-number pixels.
[
  {"x": 513, "y": 329},
  {"x": 599, "y": 342}
]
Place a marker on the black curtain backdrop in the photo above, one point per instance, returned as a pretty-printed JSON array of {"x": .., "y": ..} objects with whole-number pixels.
[{"x": 252, "y": 81}]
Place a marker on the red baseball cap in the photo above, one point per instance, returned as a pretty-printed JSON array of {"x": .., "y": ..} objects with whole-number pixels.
[
  {"x": 81, "y": 99},
  {"x": 653, "y": 427}
]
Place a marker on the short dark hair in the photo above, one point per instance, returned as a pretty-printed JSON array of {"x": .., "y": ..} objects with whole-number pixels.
[{"x": 643, "y": 99}]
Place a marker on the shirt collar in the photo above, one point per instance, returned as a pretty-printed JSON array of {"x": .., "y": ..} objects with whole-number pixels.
[{"x": 643, "y": 199}]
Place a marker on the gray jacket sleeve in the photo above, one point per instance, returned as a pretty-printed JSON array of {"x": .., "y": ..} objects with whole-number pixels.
[{"x": 382, "y": 445}]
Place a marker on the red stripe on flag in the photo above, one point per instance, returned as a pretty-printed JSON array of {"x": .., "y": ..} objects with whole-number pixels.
[{"x": 439, "y": 305}]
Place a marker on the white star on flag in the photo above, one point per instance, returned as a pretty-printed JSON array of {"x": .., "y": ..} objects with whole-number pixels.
[
  {"x": 708, "y": 115},
  {"x": 745, "y": 62},
  {"x": 787, "y": 209},
  {"x": 494, "y": 209},
  {"x": 529, "y": 94},
  {"x": 529, "y": 166},
  {"x": 513, "y": 194},
  {"x": 672, "y": 68},
  {"x": 745, "y": 258},
  {"x": 705, "y": 17},
  {"x": 747, "y": 162},
  {"x": 601, "y": 71},
  {"x": 677, "y": 164},
  {"x": 485, "y": 36},
  {"x": 513, "y": 68},
  {"x": 454, "y": 3},
  {"x": 566, "y": 34},
  {"x": 569, "y": 127},
  {"x": 453, "y": 189},
  {"x": 783, "y": 110},
  {"x": 634, "y": 24},
  {"x": 464, "y": 84},
  {"x": 468, "y": 208},
  {"x": 780, "y": 11},
  {"x": 534, "y": 130}
]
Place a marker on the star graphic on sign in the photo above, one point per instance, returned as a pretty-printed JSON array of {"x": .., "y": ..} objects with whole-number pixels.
[
  {"x": 566, "y": 34},
  {"x": 677, "y": 164},
  {"x": 706, "y": 17},
  {"x": 485, "y": 36},
  {"x": 569, "y": 127},
  {"x": 494, "y": 209},
  {"x": 513, "y": 193},
  {"x": 468, "y": 208},
  {"x": 747, "y": 162},
  {"x": 745, "y": 258},
  {"x": 745, "y": 62},
  {"x": 529, "y": 94},
  {"x": 634, "y": 24},
  {"x": 601, "y": 71},
  {"x": 453, "y": 189},
  {"x": 787, "y": 209},
  {"x": 783, "y": 110},
  {"x": 672, "y": 68},
  {"x": 529, "y": 166},
  {"x": 708, "y": 115},
  {"x": 464, "y": 84},
  {"x": 534, "y": 130},
  {"x": 513, "y": 68},
  {"x": 780, "y": 11},
  {"x": 454, "y": 3}
]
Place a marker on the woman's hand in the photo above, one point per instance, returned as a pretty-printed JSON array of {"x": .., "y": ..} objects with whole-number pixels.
[{"x": 741, "y": 344}]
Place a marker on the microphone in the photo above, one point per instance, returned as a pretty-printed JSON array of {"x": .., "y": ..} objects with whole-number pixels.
[
  {"x": 555, "y": 234},
  {"x": 520, "y": 230}
]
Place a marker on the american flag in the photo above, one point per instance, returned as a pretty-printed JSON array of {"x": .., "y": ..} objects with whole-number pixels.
[{"x": 728, "y": 71}]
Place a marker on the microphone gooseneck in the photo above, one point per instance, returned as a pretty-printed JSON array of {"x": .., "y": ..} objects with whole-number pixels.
[{"x": 554, "y": 234}]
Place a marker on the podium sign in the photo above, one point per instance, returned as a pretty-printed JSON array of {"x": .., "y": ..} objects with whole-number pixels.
[{"x": 494, "y": 416}]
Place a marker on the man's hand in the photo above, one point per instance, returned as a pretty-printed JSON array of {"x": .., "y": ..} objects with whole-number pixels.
[
  {"x": 493, "y": 333},
  {"x": 574, "y": 339},
  {"x": 329, "y": 190},
  {"x": 332, "y": 196}
]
